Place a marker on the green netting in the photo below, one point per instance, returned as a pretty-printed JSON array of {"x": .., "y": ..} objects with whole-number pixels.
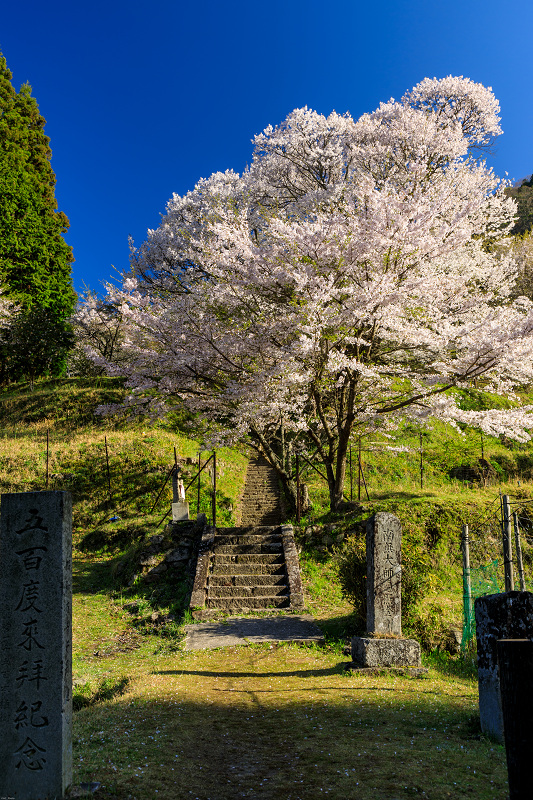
[{"x": 483, "y": 580}]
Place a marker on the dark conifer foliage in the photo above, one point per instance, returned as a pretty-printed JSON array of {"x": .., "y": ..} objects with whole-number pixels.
[
  {"x": 523, "y": 195},
  {"x": 35, "y": 260}
]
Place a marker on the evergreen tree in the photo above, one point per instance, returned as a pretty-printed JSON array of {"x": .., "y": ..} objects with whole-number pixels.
[
  {"x": 35, "y": 260},
  {"x": 523, "y": 195}
]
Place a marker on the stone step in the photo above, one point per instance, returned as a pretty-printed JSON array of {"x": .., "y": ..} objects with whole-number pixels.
[
  {"x": 247, "y": 549},
  {"x": 266, "y": 511},
  {"x": 248, "y": 529},
  {"x": 246, "y": 591},
  {"x": 260, "y": 491},
  {"x": 250, "y": 568},
  {"x": 247, "y": 538},
  {"x": 247, "y": 558},
  {"x": 242, "y": 603},
  {"x": 246, "y": 571},
  {"x": 260, "y": 500},
  {"x": 247, "y": 579}
]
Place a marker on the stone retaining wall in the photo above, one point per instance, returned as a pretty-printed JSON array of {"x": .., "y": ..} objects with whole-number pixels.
[{"x": 176, "y": 547}]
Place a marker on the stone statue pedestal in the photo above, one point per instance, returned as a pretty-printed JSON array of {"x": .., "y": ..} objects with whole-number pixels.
[
  {"x": 180, "y": 511},
  {"x": 384, "y": 652}
]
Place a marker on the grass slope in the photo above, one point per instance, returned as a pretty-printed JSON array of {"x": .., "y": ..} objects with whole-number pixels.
[{"x": 153, "y": 721}]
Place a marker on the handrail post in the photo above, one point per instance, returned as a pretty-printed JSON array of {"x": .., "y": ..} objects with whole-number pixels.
[
  {"x": 107, "y": 462},
  {"x": 175, "y": 493},
  {"x": 359, "y": 472},
  {"x": 421, "y": 463},
  {"x": 351, "y": 475},
  {"x": 47, "y": 455},
  {"x": 199, "y": 481}
]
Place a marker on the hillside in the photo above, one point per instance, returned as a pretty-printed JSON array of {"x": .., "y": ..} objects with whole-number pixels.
[
  {"x": 435, "y": 480},
  {"x": 140, "y": 455},
  {"x": 180, "y": 723}
]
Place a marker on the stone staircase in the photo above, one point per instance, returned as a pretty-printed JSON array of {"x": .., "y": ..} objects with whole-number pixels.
[
  {"x": 248, "y": 568},
  {"x": 256, "y": 565},
  {"x": 260, "y": 504}
]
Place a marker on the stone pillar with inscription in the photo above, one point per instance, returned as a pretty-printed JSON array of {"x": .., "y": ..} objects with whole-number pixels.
[
  {"x": 384, "y": 574},
  {"x": 384, "y": 645},
  {"x": 35, "y": 645}
]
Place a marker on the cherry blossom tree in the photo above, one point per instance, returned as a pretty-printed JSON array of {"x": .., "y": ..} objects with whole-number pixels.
[
  {"x": 98, "y": 325},
  {"x": 8, "y": 314},
  {"x": 343, "y": 281}
]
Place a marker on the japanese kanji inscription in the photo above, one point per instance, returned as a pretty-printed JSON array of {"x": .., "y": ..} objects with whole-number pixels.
[
  {"x": 35, "y": 645},
  {"x": 383, "y": 553}
]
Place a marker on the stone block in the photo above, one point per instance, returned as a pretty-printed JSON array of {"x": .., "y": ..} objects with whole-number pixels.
[
  {"x": 508, "y": 615},
  {"x": 180, "y": 511},
  {"x": 179, "y": 554},
  {"x": 292, "y": 565},
  {"x": 374, "y": 652},
  {"x": 36, "y": 645},
  {"x": 383, "y": 574}
]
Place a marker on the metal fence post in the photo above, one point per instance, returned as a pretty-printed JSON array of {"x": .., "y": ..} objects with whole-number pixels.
[
  {"x": 518, "y": 550},
  {"x": 507, "y": 544},
  {"x": 467, "y": 586}
]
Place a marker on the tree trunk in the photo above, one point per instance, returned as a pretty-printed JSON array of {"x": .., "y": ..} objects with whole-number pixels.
[{"x": 340, "y": 467}]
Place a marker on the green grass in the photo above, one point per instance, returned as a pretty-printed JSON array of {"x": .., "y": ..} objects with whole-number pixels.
[
  {"x": 154, "y": 721},
  {"x": 264, "y": 721},
  {"x": 140, "y": 456}
]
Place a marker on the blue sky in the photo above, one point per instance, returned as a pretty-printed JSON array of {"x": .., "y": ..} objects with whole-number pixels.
[{"x": 144, "y": 98}]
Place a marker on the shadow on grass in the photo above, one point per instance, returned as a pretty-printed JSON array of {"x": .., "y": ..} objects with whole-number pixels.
[
  {"x": 303, "y": 673},
  {"x": 84, "y": 695},
  {"x": 337, "y": 630},
  {"x": 296, "y": 750},
  {"x": 91, "y": 577}
]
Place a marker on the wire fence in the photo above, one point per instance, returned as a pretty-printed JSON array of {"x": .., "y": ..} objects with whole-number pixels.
[
  {"x": 506, "y": 523},
  {"x": 99, "y": 470}
]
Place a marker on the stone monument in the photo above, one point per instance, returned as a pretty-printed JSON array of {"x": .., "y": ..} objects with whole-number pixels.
[
  {"x": 384, "y": 646},
  {"x": 180, "y": 507},
  {"x": 36, "y": 645},
  {"x": 498, "y": 616},
  {"x": 384, "y": 574}
]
